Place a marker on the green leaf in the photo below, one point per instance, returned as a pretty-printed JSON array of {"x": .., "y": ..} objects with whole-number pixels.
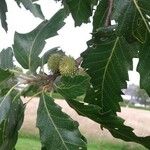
[
  {"x": 5, "y": 103},
  {"x": 3, "y": 10},
  {"x": 73, "y": 86},
  {"x": 6, "y": 58},
  {"x": 119, "y": 7},
  {"x": 107, "y": 120},
  {"x": 100, "y": 15},
  {"x": 7, "y": 80},
  {"x": 107, "y": 63},
  {"x": 12, "y": 123},
  {"x": 57, "y": 130},
  {"x": 5, "y": 75},
  {"x": 144, "y": 6},
  {"x": 34, "y": 8},
  {"x": 143, "y": 66},
  {"x": 27, "y": 47},
  {"x": 132, "y": 20},
  {"x": 143, "y": 10},
  {"x": 125, "y": 17},
  {"x": 142, "y": 26},
  {"x": 81, "y": 10}
]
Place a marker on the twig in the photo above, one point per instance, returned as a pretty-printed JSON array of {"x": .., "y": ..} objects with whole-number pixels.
[
  {"x": 108, "y": 17},
  {"x": 79, "y": 61}
]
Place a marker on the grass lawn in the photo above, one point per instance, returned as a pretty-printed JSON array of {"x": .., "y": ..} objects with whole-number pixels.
[
  {"x": 108, "y": 145},
  {"x": 27, "y": 143}
]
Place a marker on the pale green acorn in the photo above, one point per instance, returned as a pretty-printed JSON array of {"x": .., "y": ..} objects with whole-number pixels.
[
  {"x": 53, "y": 62},
  {"x": 67, "y": 66}
]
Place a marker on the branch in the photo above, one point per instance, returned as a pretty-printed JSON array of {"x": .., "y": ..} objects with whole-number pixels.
[
  {"x": 79, "y": 61},
  {"x": 108, "y": 17}
]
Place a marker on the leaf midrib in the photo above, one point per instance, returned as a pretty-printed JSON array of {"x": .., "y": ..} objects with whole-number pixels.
[
  {"x": 141, "y": 14},
  {"x": 36, "y": 37},
  {"x": 50, "y": 118},
  {"x": 105, "y": 70}
]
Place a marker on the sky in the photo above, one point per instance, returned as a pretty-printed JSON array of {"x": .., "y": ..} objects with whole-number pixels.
[
  {"x": 72, "y": 40},
  {"x": 134, "y": 76}
]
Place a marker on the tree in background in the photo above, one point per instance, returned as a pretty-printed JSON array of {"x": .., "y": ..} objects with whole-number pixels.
[{"x": 138, "y": 96}]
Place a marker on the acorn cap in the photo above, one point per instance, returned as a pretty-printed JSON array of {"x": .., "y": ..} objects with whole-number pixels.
[
  {"x": 53, "y": 62},
  {"x": 67, "y": 66}
]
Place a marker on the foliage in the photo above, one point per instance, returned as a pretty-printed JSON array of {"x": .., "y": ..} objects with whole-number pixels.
[{"x": 106, "y": 62}]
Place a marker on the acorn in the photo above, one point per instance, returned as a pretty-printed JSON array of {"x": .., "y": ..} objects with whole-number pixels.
[
  {"x": 53, "y": 62},
  {"x": 67, "y": 66}
]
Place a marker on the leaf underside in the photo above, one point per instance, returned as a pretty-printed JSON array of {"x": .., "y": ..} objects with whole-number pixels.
[
  {"x": 11, "y": 119},
  {"x": 34, "y": 8}
]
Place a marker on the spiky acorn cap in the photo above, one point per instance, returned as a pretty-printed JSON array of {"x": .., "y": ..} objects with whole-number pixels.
[
  {"x": 53, "y": 62},
  {"x": 67, "y": 66}
]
